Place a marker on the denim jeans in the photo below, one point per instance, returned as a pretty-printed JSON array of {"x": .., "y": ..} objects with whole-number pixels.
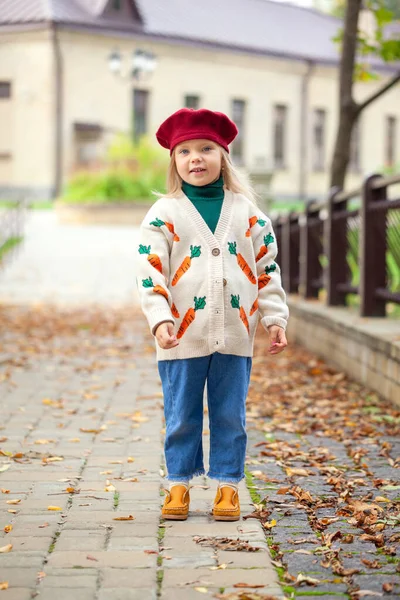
[{"x": 183, "y": 382}]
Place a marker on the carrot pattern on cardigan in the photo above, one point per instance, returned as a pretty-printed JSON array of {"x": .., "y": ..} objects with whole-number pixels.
[{"x": 218, "y": 285}]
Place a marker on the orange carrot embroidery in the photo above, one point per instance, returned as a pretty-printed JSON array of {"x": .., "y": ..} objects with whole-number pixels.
[
  {"x": 199, "y": 303},
  {"x": 252, "y": 222},
  {"x": 157, "y": 289},
  {"x": 153, "y": 259},
  {"x": 159, "y": 223},
  {"x": 242, "y": 263},
  {"x": 268, "y": 239},
  {"x": 235, "y": 303},
  {"x": 266, "y": 277},
  {"x": 254, "y": 307},
  {"x": 175, "y": 311},
  {"x": 195, "y": 251}
]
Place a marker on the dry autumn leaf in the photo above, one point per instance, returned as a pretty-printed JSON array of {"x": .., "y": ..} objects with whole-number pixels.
[
  {"x": 54, "y": 508},
  {"x": 8, "y": 528},
  {"x": 5, "y": 549},
  {"x": 129, "y": 518},
  {"x": 14, "y": 501},
  {"x": 3, "y": 585}
]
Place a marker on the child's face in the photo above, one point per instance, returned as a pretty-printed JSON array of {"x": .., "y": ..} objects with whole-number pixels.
[{"x": 198, "y": 161}]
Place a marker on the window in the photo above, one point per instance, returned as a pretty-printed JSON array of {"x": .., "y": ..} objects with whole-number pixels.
[
  {"x": 355, "y": 162},
  {"x": 238, "y": 117},
  {"x": 192, "y": 101},
  {"x": 390, "y": 142},
  {"x": 318, "y": 142},
  {"x": 140, "y": 112},
  {"x": 279, "y": 141},
  {"x": 117, "y": 4},
  {"x": 5, "y": 89}
]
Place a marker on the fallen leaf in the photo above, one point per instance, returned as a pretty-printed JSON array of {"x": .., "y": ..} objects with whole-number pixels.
[
  {"x": 130, "y": 518},
  {"x": 5, "y": 549},
  {"x": 4, "y": 468},
  {"x": 90, "y": 557},
  {"x": 8, "y": 528},
  {"x": 14, "y": 501},
  {"x": 248, "y": 585},
  {"x": 54, "y": 508},
  {"x": 202, "y": 590},
  {"x": 3, "y": 585}
]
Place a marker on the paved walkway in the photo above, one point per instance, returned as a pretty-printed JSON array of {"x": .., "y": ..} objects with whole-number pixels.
[{"x": 81, "y": 439}]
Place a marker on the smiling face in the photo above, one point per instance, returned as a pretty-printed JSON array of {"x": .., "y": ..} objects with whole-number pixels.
[{"x": 198, "y": 162}]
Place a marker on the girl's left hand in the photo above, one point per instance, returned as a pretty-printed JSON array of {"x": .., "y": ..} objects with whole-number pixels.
[{"x": 277, "y": 339}]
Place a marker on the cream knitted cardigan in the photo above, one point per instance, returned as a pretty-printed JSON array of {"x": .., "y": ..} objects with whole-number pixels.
[{"x": 213, "y": 287}]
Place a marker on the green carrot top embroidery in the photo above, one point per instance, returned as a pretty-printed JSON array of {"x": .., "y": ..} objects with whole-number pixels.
[
  {"x": 235, "y": 301},
  {"x": 270, "y": 269},
  {"x": 195, "y": 251},
  {"x": 232, "y": 247},
  {"x": 268, "y": 239},
  {"x": 144, "y": 249},
  {"x": 147, "y": 283},
  {"x": 199, "y": 303}
]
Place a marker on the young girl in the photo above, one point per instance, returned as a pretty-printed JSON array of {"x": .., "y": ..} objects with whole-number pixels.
[{"x": 206, "y": 275}]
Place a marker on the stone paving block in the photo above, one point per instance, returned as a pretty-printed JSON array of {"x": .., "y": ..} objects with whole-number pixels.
[
  {"x": 23, "y": 560},
  {"x": 133, "y": 543},
  {"x": 128, "y": 594},
  {"x": 87, "y": 543},
  {"x": 16, "y": 576},
  {"x": 17, "y": 593},
  {"x": 110, "y": 558},
  {"x": 194, "y": 561},
  {"x": 84, "y": 594},
  {"x": 69, "y": 581},
  {"x": 232, "y": 529},
  {"x": 28, "y": 543},
  {"x": 128, "y": 578},
  {"x": 205, "y": 577},
  {"x": 244, "y": 560}
]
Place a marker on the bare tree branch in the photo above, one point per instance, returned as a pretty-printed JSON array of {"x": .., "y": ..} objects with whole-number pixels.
[{"x": 392, "y": 82}]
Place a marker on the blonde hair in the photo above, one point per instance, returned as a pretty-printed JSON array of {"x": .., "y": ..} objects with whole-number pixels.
[{"x": 234, "y": 180}]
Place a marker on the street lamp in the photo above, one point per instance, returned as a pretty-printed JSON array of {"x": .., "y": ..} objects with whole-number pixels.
[{"x": 142, "y": 63}]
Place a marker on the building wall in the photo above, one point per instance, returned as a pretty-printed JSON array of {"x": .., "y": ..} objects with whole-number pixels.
[
  {"x": 93, "y": 95},
  {"x": 26, "y": 125}
]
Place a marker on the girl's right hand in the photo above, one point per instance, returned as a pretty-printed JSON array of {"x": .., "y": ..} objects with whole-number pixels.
[{"x": 166, "y": 337}]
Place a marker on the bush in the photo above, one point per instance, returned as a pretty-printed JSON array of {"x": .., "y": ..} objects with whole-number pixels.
[{"x": 129, "y": 173}]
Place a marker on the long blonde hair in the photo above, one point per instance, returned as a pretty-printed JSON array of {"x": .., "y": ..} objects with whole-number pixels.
[{"x": 234, "y": 180}]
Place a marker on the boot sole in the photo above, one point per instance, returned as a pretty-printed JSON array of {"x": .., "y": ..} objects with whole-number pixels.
[
  {"x": 175, "y": 517},
  {"x": 216, "y": 518}
]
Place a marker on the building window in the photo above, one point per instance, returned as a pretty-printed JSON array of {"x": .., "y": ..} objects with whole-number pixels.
[
  {"x": 390, "y": 142},
  {"x": 280, "y": 126},
  {"x": 192, "y": 101},
  {"x": 140, "y": 113},
  {"x": 318, "y": 144},
  {"x": 117, "y": 4},
  {"x": 355, "y": 160},
  {"x": 238, "y": 117},
  {"x": 5, "y": 89}
]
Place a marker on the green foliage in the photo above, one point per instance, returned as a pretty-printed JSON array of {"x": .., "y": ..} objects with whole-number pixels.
[{"x": 131, "y": 173}]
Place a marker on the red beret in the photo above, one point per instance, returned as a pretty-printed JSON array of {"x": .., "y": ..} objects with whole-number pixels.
[{"x": 191, "y": 124}]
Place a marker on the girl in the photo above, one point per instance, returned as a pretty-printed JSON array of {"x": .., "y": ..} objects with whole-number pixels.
[{"x": 206, "y": 275}]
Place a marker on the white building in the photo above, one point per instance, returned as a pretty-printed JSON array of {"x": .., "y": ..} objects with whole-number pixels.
[{"x": 272, "y": 67}]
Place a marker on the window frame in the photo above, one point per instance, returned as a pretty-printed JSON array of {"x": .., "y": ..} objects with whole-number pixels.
[
  {"x": 237, "y": 146},
  {"x": 280, "y": 121}
]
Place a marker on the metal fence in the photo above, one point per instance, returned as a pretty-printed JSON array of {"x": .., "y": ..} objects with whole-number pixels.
[{"x": 347, "y": 245}]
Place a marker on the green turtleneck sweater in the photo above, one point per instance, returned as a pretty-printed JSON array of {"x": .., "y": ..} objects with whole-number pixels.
[{"x": 207, "y": 199}]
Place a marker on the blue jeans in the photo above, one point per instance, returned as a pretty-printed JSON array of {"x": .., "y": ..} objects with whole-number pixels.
[{"x": 183, "y": 382}]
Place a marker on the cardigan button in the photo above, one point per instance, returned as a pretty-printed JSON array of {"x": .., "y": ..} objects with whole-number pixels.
[
  {"x": 224, "y": 282},
  {"x": 216, "y": 251}
]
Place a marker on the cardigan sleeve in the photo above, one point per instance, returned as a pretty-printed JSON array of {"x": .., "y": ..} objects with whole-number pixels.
[
  {"x": 271, "y": 296},
  {"x": 152, "y": 273}
]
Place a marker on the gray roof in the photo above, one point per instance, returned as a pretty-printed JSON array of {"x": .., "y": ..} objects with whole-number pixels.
[{"x": 260, "y": 26}]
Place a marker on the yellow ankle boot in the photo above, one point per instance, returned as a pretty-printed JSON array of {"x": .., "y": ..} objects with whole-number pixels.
[
  {"x": 176, "y": 503},
  {"x": 226, "y": 504}
]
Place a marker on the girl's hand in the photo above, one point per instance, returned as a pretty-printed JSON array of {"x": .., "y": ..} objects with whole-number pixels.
[
  {"x": 277, "y": 339},
  {"x": 166, "y": 337}
]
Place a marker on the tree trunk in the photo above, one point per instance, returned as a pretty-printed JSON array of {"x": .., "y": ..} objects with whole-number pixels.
[{"x": 348, "y": 108}]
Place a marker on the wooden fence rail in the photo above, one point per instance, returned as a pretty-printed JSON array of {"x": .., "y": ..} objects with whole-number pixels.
[{"x": 347, "y": 245}]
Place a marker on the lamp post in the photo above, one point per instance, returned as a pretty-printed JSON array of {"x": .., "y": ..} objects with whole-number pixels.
[{"x": 143, "y": 64}]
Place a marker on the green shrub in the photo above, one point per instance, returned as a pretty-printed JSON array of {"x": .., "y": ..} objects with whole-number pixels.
[{"x": 129, "y": 173}]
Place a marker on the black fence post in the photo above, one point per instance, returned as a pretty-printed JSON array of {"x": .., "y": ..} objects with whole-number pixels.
[
  {"x": 336, "y": 250},
  {"x": 372, "y": 250},
  {"x": 310, "y": 250}
]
